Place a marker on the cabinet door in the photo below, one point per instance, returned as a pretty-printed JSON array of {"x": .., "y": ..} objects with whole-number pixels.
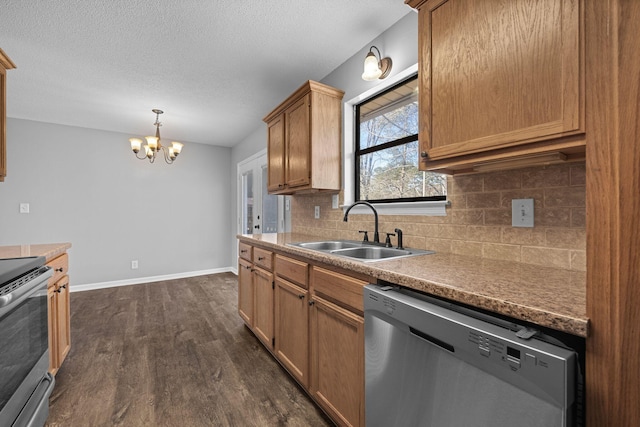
[
  {"x": 52, "y": 315},
  {"x": 337, "y": 361},
  {"x": 298, "y": 143},
  {"x": 276, "y": 154},
  {"x": 263, "y": 314},
  {"x": 245, "y": 291},
  {"x": 63, "y": 319},
  {"x": 291, "y": 329},
  {"x": 497, "y": 74}
]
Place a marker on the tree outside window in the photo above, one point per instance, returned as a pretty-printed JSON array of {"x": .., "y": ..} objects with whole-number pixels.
[{"x": 387, "y": 149}]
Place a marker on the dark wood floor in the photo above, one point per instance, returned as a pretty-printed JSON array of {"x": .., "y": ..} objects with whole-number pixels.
[{"x": 172, "y": 353}]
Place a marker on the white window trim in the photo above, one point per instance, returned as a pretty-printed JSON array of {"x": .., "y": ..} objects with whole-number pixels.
[{"x": 430, "y": 208}]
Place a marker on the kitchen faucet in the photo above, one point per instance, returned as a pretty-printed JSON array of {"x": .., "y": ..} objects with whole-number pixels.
[{"x": 376, "y": 236}]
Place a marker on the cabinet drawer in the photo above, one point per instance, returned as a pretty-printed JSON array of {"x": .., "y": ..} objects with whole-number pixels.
[
  {"x": 338, "y": 287},
  {"x": 60, "y": 266},
  {"x": 263, "y": 258},
  {"x": 245, "y": 251},
  {"x": 293, "y": 270}
]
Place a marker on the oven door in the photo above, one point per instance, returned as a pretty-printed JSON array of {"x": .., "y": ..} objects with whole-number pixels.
[{"x": 24, "y": 354}]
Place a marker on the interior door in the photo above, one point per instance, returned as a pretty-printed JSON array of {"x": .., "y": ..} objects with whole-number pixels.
[{"x": 258, "y": 211}]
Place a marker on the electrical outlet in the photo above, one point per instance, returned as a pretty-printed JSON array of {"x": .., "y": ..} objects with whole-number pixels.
[
  {"x": 522, "y": 212},
  {"x": 316, "y": 212},
  {"x": 134, "y": 264},
  {"x": 24, "y": 208},
  {"x": 334, "y": 201},
  {"x": 287, "y": 204}
]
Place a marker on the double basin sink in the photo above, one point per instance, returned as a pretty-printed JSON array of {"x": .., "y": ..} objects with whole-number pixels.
[{"x": 361, "y": 251}]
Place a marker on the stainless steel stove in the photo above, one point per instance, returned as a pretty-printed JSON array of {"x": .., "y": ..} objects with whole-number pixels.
[{"x": 25, "y": 384}]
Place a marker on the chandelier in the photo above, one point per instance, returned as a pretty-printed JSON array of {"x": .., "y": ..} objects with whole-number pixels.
[{"x": 153, "y": 145}]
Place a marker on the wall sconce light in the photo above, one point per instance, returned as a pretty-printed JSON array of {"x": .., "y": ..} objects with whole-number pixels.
[
  {"x": 375, "y": 68},
  {"x": 153, "y": 145}
]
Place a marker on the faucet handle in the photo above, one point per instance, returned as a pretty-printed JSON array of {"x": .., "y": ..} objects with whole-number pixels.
[
  {"x": 366, "y": 235},
  {"x": 387, "y": 242}
]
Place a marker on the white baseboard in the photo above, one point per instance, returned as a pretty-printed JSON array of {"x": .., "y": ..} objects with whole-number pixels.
[{"x": 140, "y": 280}]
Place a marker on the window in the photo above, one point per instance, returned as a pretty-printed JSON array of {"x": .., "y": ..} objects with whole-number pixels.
[{"x": 386, "y": 155}]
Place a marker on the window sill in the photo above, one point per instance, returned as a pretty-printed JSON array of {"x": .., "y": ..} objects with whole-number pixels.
[{"x": 434, "y": 208}]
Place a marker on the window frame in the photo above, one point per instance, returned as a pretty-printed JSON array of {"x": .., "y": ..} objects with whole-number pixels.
[{"x": 358, "y": 152}]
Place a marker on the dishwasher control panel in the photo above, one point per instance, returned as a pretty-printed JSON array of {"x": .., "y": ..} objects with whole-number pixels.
[{"x": 498, "y": 350}]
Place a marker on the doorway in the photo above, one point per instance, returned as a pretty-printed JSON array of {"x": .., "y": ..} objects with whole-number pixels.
[{"x": 258, "y": 211}]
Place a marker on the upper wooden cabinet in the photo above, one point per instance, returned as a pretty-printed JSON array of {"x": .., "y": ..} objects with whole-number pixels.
[
  {"x": 500, "y": 82},
  {"x": 304, "y": 141},
  {"x": 5, "y": 64}
]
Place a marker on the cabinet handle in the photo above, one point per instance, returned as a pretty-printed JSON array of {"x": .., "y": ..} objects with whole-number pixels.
[
  {"x": 59, "y": 269},
  {"x": 311, "y": 302},
  {"x": 243, "y": 251},
  {"x": 301, "y": 296},
  {"x": 260, "y": 258},
  {"x": 63, "y": 286},
  {"x": 424, "y": 155}
]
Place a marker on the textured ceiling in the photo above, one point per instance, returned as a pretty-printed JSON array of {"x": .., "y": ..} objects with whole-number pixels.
[{"x": 215, "y": 67}]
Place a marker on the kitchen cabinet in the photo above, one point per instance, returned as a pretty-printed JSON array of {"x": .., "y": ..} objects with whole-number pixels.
[
  {"x": 5, "y": 64},
  {"x": 245, "y": 283},
  {"x": 501, "y": 83},
  {"x": 59, "y": 315},
  {"x": 245, "y": 291},
  {"x": 337, "y": 346},
  {"x": 304, "y": 152},
  {"x": 311, "y": 319},
  {"x": 263, "y": 286},
  {"x": 292, "y": 317}
]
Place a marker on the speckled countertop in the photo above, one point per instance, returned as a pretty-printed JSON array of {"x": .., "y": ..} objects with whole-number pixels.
[
  {"x": 546, "y": 296},
  {"x": 48, "y": 250}
]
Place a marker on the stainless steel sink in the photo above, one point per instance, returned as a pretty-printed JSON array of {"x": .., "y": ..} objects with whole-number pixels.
[
  {"x": 361, "y": 251},
  {"x": 329, "y": 245},
  {"x": 371, "y": 252}
]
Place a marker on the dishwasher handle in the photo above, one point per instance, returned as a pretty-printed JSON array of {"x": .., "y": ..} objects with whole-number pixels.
[{"x": 432, "y": 340}]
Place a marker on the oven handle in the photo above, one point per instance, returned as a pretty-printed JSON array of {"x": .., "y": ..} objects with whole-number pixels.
[
  {"x": 25, "y": 291},
  {"x": 36, "y": 411}
]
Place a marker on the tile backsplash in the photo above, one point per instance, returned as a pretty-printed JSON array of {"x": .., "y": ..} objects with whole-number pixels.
[{"x": 478, "y": 222}]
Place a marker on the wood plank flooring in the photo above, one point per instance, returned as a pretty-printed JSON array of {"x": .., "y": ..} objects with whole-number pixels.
[{"x": 172, "y": 353}]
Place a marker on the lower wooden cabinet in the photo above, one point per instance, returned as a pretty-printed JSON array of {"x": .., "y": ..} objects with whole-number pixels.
[
  {"x": 263, "y": 306},
  {"x": 59, "y": 323},
  {"x": 337, "y": 361},
  {"x": 292, "y": 329},
  {"x": 311, "y": 319},
  {"x": 245, "y": 291}
]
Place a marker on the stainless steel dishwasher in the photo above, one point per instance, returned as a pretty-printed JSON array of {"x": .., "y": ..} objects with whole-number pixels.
[{"x": 431, "y": 363}]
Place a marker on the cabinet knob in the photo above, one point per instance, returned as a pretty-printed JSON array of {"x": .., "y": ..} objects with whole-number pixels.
[
  {"x": 424, "y": 154},
  {"x": 311, "y": 302},
  {"x": 301, "y": 296},
  {"x": 260, "y": 258},
  {"x": 243, "y": 251},
  {"x": 60, "y": 270}
]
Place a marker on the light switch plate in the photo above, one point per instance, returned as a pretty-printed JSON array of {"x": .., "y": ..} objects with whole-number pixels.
[
  {"x": 334, "y": 201},
  {"x": 316, "y": 212},
  {"x": 522, "y": 212}
]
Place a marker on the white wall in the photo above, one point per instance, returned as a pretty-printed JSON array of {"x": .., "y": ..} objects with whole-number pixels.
[
  {"x": 400, "y": 42},
  {"x": 85, "y": 186}
]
